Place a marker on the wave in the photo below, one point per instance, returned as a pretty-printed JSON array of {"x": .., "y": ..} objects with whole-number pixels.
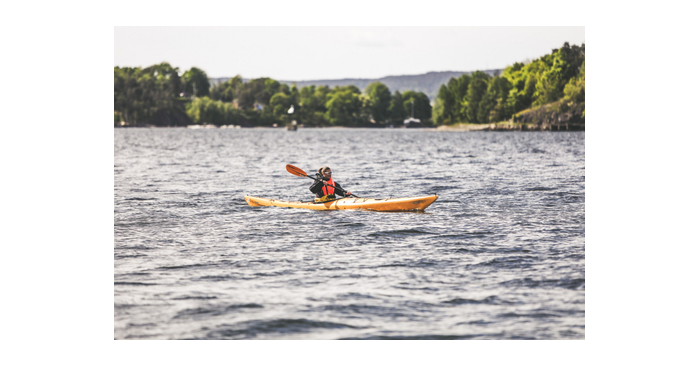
[
  {"x": 420, "y": 263},
  {"x": 117, "y": 256},
  {"x": 528, "y": 315},
  {"x": 187, "y": 297},
  {"x": 510, "y": 262},
  {"x": 417, "y": 337},
  {"x": 185, "y": 266},
  {"x": 490, "y": 300},
  {"x": 535, "y": 189},
  {"x": 214, "y": 310},
  {"x": 401, "y": 232},
  {"x": 467, "y": 235},
  {"x": 255, "y": 328},
  {"x": 568, "y": 283}
]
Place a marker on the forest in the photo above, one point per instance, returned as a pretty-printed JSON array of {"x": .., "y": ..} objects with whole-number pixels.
[
  {"x": 556, "y": 79},
  {"x": 162, "y": 95},
  {"x": 159, "y": 96}
]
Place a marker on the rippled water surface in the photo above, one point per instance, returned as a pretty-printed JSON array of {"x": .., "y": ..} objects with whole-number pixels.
[{"x": 500, "y": 255}]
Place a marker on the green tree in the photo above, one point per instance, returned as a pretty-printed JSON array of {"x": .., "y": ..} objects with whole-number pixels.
[
  {"x": 128, "y": 94},
  {"x": 259, "y": 91},
  {"x": 493, "y": 106},
  {"x": 572, "y": 59},
  {"x": 575, "y": 89},
  {"x": 227, "y": 90},
  {"x": 280, "y": 103},
  {"x": 562, "y": 65},
  {"x": 477, "y": 88},
  {"x": 167, "y": 79},
  {"x": 312, "y": 105},
  {"x": 397, "y": 111},
  {"x": 208, "y": 111},
  {"x": 449, "y": 102},
  {"x": 351, "y": 88},
  {"x": 481, "y": 99},
  {"x": 421, "y": 105},
  {"x": 293, "y": 92},
  {"x": 196, "y": 82},
  {"x": 271, "y": 87},
  {"x": 141, "y": 94},
  {"x": 459, "y": 88},
  {"x": 344, "y": 107},
  {"x": 444, "y": 106},
  {"x": 246, "y": 94},
  {"x": 313, "y": 99},
  {"x": 523, "y": 78},
  {"x": 514, "y": 75},
  {"x": 487, "y": 105},
  {"x": 379, "y": 101},
  {"x": 502, "y": 89}
]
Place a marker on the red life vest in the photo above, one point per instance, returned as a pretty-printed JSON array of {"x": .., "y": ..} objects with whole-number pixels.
[{"x": 328, "y": 189}]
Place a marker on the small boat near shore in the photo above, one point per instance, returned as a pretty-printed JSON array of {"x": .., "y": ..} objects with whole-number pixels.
[{"x": 368, "y": 204}]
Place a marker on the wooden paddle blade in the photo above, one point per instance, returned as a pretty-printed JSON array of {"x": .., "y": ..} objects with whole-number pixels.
[{"x": 296, "y": 171}]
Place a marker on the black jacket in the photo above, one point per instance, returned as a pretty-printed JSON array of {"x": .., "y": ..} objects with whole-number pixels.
[{"x": 317, "y": 187}]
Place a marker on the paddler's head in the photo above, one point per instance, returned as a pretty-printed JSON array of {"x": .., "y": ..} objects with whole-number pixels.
[{"x": 325, "y": 171}]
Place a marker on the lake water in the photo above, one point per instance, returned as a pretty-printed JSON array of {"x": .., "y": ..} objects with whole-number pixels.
[{"x": 499, "y": 255}]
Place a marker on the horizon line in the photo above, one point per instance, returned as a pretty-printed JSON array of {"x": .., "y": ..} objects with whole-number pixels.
[{"x": 350, "y": 78}]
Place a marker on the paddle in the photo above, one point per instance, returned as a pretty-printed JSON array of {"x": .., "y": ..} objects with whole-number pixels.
[{"x": 300, "y": 173}]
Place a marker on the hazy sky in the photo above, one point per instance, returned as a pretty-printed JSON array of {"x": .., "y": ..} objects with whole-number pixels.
[{"x": 308, "y": 53}]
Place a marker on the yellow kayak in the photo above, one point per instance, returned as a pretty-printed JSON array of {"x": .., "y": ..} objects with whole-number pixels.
[{"x": 369, "y": 204}]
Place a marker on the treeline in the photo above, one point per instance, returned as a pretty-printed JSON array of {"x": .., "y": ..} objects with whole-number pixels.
[
  {"x": 158, "y": 95},
  {"x": 161, "y": 95},
  {"x": 558, "y": 77},
  {"x": 141, "y": 95}
]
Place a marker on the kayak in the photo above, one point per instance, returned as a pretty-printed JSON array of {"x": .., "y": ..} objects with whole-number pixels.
[{"x": 369, "y": 204}]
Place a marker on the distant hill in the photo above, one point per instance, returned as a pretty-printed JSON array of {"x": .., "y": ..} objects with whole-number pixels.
[{"x": 428, "y": 83}]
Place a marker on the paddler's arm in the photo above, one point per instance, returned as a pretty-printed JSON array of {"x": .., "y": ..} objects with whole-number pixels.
[
  {"x": 317, "y": 186},
  {"x": 345, "y": 193}
]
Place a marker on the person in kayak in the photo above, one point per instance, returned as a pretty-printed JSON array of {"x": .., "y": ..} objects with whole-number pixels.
[{"x": 324, "y": 188}]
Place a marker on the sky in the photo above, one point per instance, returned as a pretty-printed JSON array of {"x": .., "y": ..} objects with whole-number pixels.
[{"x": 313, "y": 53}]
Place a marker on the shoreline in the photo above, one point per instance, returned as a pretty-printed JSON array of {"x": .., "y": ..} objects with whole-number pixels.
[
  {"x": 507, "y": 126},
  {"x": 512, "y": 126}
]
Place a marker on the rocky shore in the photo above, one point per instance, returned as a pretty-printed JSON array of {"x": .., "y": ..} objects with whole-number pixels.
[
  {"x": 551, "y": 117},
  {"x": 512, "y": 126}
]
